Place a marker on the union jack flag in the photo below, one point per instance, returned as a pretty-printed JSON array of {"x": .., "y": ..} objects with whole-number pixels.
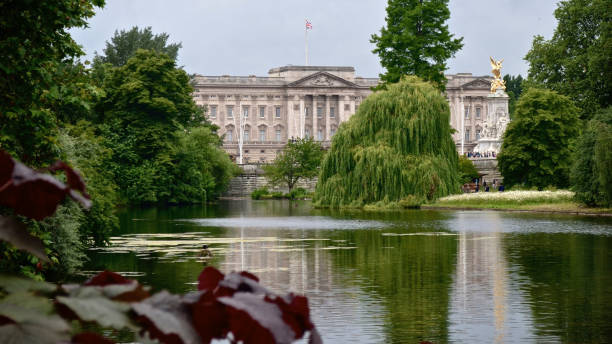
[{"x": 308, "y": 25}]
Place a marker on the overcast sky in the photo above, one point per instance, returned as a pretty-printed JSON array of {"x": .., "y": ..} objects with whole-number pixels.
[{"x": 243, "y": 37}]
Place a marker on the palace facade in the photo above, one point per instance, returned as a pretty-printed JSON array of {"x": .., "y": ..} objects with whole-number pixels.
[{"x": 260, "y": 114}]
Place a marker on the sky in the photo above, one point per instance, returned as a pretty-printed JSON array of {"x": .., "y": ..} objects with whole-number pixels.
[{"x": 246, "y": 37}]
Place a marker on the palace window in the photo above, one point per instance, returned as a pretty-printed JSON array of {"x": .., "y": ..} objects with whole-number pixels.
[
  {"x": 230, "y": 135},
  {"x": 278, "y": 111},
  {"x": 319, "y": 111},
  {"x": 332, "y": 132},
  {"x": 467, "y": 112},
  {"x": 467, "y": 134},
  {"x": 262, "y": 112},
  {"x": 478, "y": 112},
  {"x": 307, "y": 111},
  {"x": 230, "y": 111},
  {"x": 278, "y": 135},
  {"x": 320, "y": 135},
  {"x": 262, "y": 135},
  {"x": 213, "y": 111},
  {"x": 477, "y": 130},
  {"x": 307, "y": 133},
  {"x": 246, "y": 135},
  {"x": 245, "y": 111},
  {"x": 332, "y": 112}
]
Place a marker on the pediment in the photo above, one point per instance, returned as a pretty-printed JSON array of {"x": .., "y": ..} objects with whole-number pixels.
[
  {"x": 322, "y": 79},
  {"x": 477, "y": 84}
]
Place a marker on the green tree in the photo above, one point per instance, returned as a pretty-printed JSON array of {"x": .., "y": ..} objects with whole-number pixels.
[
  {"x": 34, "y": 44},
  {"x": 124, "y": 45},
  {"x": 514, "y": 88},
  {"x": 416, "y": 41},
  {"x": 467, "y": 170},
  {"x": 577, "y": 61},
  {"x": 537, "y": 148},
  {"x": 299, "y": 160},
  {"x": 398, "y": 145},
  {"x": 590, "y": 175}
]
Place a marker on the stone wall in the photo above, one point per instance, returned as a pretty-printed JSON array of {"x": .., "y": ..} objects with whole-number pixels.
[
  {"x": 253, "y": 178},
  {"x": 488, "y": 166}
]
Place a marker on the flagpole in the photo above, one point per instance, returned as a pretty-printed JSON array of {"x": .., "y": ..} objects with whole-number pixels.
[{"x": 306, "y": 43}]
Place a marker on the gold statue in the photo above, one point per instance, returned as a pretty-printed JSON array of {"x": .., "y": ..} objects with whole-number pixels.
[{"x": 497, "y": 83}]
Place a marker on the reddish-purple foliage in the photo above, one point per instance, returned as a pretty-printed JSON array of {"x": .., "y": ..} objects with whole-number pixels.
[
  {"x": 37, "y": 195},
  {"x": 105, "y": 278}
]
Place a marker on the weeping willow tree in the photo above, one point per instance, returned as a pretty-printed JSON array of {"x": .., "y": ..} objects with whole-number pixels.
[{"x": 397, "y": 146}]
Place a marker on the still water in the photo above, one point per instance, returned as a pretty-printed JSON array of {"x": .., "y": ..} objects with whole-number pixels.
[{"x": 396, "y": 277}]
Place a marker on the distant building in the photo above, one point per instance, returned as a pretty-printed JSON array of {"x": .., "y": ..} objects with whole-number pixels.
[{"x": 310, "y": 101}]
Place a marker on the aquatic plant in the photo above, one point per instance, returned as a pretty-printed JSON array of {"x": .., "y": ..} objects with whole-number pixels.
[
  {"x": 511, "y": 196},
  {"x": 397, "y": 145}
]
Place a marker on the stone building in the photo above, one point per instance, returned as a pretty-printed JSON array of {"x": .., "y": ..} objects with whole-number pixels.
[{"x": 262, "y": 113}]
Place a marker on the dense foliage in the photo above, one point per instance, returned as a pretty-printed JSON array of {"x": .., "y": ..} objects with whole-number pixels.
[
  {"x": 397, "y": 145},
  {"x": 577, "y": 60},
  {"x": 416, "y": 41},
  {"x": 467, "y": 170},
  {"x": 164, "y": 150},
  {"x": 514, "y": 89},
  {"x": 300, "y": 159},
  {"x": 537, "y": 147},
  {"x": 35, "y": 46},
  {"x": 124, "y": 44},
  {"x": 591, "y": 172}
]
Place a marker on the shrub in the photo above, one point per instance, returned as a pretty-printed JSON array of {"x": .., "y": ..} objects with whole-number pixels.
[{"x": 259, "y": 193}]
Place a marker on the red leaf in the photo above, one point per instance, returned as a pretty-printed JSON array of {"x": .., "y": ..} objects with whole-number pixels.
[
  {"x": 15, "y": 232},
  {"x": 296, "y": 313},
  {"x": 167, "y": 318},
  {"x": 36, "y": 195},
  {"x": 209, "y": 279},
  {"x": 90, "y": 338},
  {"x": 107, "y": 277},
  {"x": 74, "y": 179},
  {"x": 249, "y": 275},
  {"x": 210, "y": 318},
  {"x": 4, "y": 320}
]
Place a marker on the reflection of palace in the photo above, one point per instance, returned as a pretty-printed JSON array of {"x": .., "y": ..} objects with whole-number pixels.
[
  {"x": 312, "y": 101},
  {"x": 483, "y": 301}
]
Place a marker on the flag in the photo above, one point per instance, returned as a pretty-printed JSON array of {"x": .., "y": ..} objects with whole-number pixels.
[{"x": 308, "y": 25}]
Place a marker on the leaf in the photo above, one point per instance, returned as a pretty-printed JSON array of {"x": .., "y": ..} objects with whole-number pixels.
[
  {"x": 209, "y": 278},
  {"x": 31, "y": 321},
  {"x": 90, "y": 305},
  {"x": 253, "y": 320},
  {"x": 107, "y": 277},
  {"x": 167, "y": 318},
  {"x": 32, "y": 194},
  {"x": 12, "y": 284},
  {"x": 73, "y": 178},
  {"x": 15, "y": 232},
  {"x": 90, "y": 338}
]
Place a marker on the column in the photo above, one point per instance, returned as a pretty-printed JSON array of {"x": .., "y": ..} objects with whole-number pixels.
[
  {"x": 341, "y": 109},
  {"x": 328, "y": 119},
  {"x": 352, "y": 102},
  {"x": 302, "y": 117},
  {"x": 290, "y": 119},
  {"x": 315, "y": 117}
]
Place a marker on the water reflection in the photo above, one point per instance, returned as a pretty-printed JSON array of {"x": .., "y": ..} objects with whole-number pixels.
[{"x": 403, "y": 277}]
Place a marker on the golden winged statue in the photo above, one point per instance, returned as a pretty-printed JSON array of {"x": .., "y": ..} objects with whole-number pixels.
[{"x": 497, "y": 83}]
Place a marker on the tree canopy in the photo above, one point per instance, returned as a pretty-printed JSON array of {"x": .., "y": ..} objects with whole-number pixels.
[
  {"x": 398, "y": 145},
  {"x": 124, "y": 45},
  {"x": 537, "y": 147},
  {"x": 416, "y": 41},
  {"x": 299, "y": 160},
  {"x": 514, "y": 88},
  {"x": 577, "y": 60},
  {"x": 34, "y": 45},
  {"x": 591, "y": 176}
]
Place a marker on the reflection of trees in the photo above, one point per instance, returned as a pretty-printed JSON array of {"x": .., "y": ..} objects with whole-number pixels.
[
  {"x": 570, "y": 284},
  {"x": 412, "y": 275}
]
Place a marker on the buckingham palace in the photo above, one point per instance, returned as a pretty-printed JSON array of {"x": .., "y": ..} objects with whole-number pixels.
[{"x": 257, "y": 115}]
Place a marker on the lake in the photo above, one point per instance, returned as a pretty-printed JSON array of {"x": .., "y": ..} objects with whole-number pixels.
[{"x": 390, "y": 277}]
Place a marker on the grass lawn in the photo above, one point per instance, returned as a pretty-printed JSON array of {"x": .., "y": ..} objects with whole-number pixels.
[{"x": 545, "y": 201}]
